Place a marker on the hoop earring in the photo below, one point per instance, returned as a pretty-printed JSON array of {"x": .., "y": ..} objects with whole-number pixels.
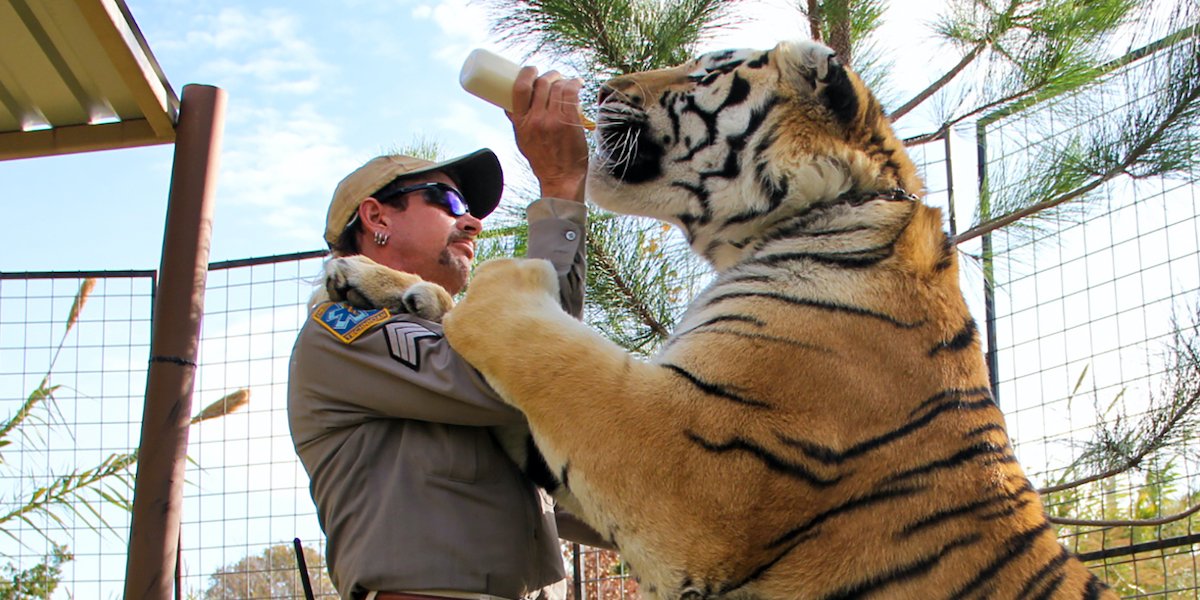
[{"x": 381, "y": 238}]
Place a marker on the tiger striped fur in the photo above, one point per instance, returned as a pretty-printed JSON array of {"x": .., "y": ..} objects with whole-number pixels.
[{"x": 820, "y": 424}]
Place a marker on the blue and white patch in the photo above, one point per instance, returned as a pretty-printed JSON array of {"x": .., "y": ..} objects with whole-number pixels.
[
  {"x": 403, "y": 342},
  {"x": 347, "y": 323}
]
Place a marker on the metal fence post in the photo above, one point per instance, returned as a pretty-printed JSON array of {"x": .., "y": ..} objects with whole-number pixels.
[{"x": 989, "y": 284}]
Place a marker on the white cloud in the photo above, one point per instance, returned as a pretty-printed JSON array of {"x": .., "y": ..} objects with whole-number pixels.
[
  {"x": 477, "y": 125},
  {"x": 267, "y": 49},
  {"x": 770, "y": 23},
  {"x": 465, "y": 24},
  {"x": 282, "y": 166}
]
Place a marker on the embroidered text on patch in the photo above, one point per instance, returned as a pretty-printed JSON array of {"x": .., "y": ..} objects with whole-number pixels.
[
  {"x": 346, "y": 323},
  {"x": 402, "y": 341}
]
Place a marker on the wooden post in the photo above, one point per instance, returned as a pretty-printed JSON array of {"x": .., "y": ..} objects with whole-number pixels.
[{"x": 174, "y": 345}]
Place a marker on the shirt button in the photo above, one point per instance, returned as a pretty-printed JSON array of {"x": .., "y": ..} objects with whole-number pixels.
[{"x": 571, "y": 235}]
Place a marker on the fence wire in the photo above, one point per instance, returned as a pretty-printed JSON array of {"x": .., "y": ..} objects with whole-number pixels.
[
  {"x": 1092, "y": 305},
  {"x": 71, "y": 394}
]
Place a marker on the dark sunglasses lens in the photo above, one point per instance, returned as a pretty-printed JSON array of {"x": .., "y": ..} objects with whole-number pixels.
[{"x": 454, "y": 201}]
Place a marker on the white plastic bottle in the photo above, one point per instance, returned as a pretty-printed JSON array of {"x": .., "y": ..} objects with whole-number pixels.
[{"x": 490, "y": 76}]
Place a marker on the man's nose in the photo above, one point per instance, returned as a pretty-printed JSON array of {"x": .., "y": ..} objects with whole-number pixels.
[{"x": 470, "y": 224}]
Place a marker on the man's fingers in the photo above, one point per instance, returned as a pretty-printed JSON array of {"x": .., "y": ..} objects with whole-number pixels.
[
  {"x": 542, "y": 87},
  {"x": 564, "y": 98},
  {"x": 523, "y": 89}
]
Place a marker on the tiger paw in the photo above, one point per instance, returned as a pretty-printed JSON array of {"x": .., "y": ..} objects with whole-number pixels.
[
  {"x": 502, "y": 279},
  {"x": 366, "y": 284},
  {"x": 429, "y": 301},
  {"x": 501, "y": 292}
]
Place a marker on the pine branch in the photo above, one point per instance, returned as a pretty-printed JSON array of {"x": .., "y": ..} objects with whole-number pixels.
[
  {"x": 1161, "y": 424},
  {"x": 1130, "y": 463},
  {"x": 629, "y": 299},
  {"x": 936, "y": 86},
  {"x": 1122, "y": 168},
  {"x": 1010, "y": 218},
  {"x": 1126, "y": 522}
]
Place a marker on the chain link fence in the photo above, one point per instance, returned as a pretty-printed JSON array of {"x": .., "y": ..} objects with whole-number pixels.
[{"x": 1094, "y": 323}]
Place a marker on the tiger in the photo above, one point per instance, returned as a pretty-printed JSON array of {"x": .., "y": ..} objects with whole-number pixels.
[{"x": 820, "y": 422}]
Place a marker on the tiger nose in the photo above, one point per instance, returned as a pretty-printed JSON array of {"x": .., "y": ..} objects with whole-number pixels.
[{"x": 619, "y": 85}]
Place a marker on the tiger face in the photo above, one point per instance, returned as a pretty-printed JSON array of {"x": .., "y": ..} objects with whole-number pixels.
[{"x": 727, "y": 144}]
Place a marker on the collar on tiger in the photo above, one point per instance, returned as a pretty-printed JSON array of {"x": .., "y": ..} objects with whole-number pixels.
[{"x": 893, "y": 195}]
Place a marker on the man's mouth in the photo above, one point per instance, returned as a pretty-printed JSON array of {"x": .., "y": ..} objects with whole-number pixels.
[{"x": 466, "y": 245}]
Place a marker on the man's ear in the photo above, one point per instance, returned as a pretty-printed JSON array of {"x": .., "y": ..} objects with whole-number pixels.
[{"x": 372, "y": 215}]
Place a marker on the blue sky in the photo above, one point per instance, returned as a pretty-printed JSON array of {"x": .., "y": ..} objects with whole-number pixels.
[{"x": 314, "y": 89}]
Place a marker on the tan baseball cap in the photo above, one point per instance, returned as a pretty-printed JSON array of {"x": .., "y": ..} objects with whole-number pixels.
[{"x": 477, "y": 174}]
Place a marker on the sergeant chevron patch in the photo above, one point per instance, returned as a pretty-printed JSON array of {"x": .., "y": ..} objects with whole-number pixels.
[
  {"x": 346, "y": 323},
  {"x": 403, "y": 340}
]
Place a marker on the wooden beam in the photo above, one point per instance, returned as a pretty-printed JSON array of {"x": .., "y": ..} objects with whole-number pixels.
[
  {"x": 123, "y": 44},
  {"x": 79, "y": 138}
]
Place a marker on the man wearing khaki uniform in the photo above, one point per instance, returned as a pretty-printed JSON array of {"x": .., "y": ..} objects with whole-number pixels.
[{"x": 414, "y": 495}]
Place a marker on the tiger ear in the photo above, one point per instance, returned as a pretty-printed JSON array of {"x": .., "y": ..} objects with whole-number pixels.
[{"x": 815, "y": 69}]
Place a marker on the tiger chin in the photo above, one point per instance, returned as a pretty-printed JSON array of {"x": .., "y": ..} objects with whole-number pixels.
[{"x": 820, "y": 424}]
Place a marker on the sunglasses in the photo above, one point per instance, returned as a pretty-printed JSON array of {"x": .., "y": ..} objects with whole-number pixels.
[{"x": 435, "y": 192}]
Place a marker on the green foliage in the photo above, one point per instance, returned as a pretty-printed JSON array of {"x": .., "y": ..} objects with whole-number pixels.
[
  {"x": 640, "y": 277},
  {"x": 271, "y": 574},
  {"x": 618, "y": 36},
  {"x": 39, "y": 581},
  {"x": 1165, "y": 431},
  {"x": 1148, "y": 573},
  {"x": 860, "y": 17},
  {"x": 78, "y": 493},
  {"x": 420, "y": 147},
  {"x": 640, "y": 273},
  {"x": 1141, "y": 121}
]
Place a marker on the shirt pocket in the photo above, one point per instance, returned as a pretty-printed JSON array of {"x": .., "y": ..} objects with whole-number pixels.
[{"x": 459, "y": 454}]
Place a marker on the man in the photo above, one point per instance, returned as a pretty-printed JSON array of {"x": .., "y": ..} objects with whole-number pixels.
[{"x": 415, "y": 497}]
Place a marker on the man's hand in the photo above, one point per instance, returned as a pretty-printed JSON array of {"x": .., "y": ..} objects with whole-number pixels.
[{"x": 549, "y": 132}]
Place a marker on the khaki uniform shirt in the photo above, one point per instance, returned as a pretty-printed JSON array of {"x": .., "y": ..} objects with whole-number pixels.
[{"x": 411, "y": 490}]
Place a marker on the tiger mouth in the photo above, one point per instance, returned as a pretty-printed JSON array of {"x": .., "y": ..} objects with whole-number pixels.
[{"x": 625, "y": 143}]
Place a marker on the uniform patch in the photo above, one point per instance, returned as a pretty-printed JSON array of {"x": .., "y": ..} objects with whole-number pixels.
[
  {"x": 403, "y": 341},
  {"x": 347, "y": 323}
]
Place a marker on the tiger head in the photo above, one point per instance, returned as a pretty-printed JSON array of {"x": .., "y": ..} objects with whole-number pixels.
[{"x": 731, "y": 142}]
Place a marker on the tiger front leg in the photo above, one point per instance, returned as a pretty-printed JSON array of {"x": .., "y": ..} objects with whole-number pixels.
[
  {"x": 604, "y": 420},
  {"x": 566, "y": 378}
]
